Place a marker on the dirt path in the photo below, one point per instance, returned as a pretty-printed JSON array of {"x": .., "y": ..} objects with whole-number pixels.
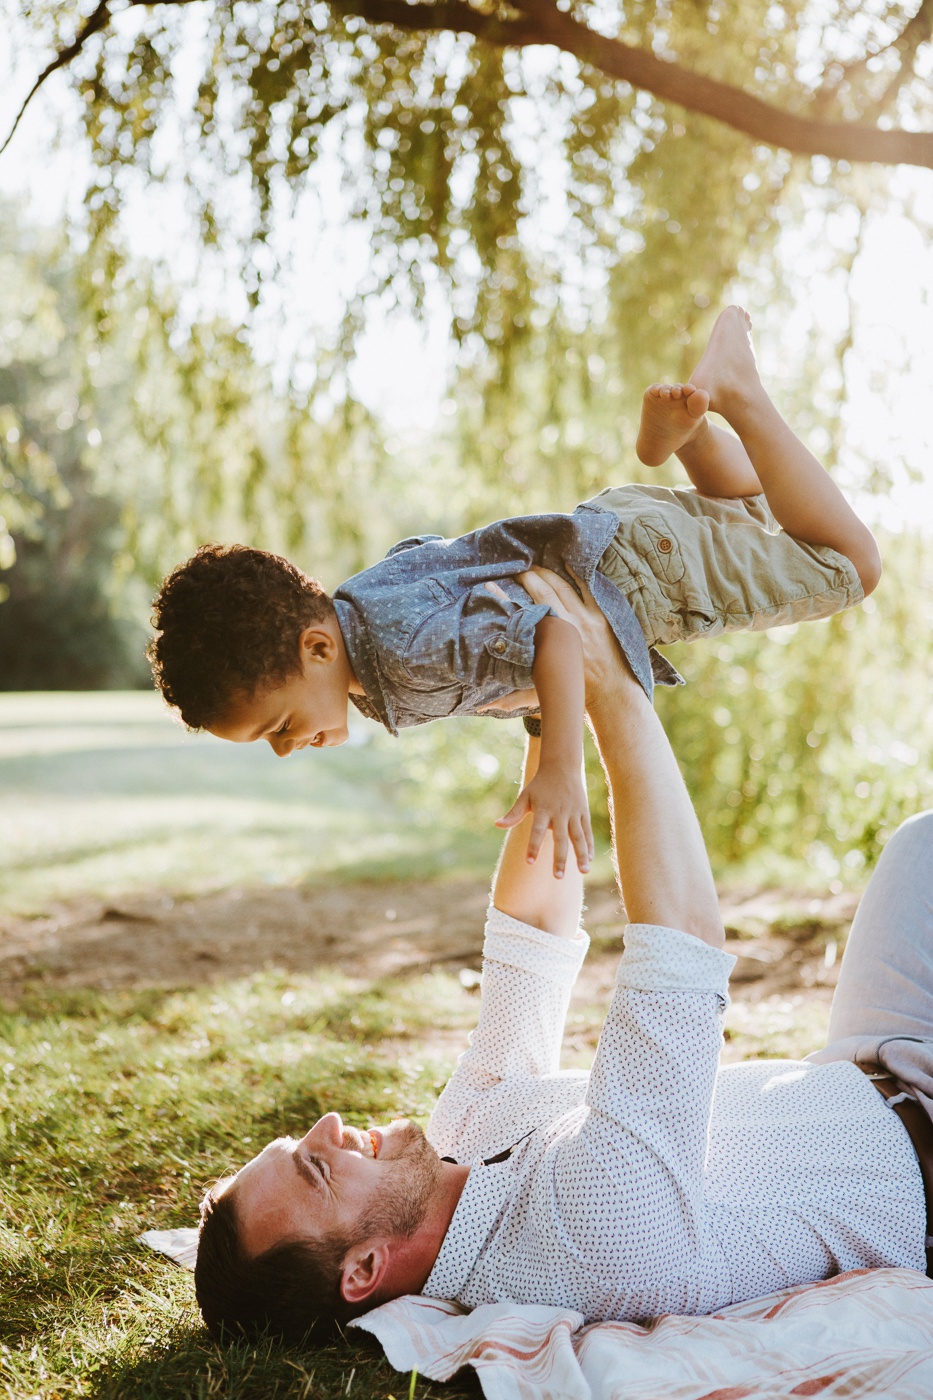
[{"x": 786, "y": 941}]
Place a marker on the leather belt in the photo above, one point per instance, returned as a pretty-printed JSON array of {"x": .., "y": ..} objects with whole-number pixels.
[{"x": 920, "y": 1131}]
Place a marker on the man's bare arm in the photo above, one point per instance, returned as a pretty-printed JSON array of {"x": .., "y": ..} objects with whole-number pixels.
[
  {"x": 531, "y": 893},
  {"x": 661, "y": 862}
]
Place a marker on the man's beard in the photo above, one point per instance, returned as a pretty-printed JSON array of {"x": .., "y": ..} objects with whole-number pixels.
[{"x": 405, "y": 1198}]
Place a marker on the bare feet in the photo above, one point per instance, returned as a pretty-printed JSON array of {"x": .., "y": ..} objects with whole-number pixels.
[
  {"x": 670, "y": 415},
  {"x": 728, "y": 370}
]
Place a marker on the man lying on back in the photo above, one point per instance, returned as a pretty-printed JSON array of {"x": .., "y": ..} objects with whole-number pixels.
[{"x": 657, "y": 1183}]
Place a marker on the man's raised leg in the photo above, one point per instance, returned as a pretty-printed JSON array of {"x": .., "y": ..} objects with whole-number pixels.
[{"x": 886, "y": 979}]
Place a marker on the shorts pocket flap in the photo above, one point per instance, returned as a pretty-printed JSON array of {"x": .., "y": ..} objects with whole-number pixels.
[{"x": 665, "y": 553}]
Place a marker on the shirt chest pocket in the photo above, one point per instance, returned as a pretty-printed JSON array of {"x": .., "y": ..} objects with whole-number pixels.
[
  {"x": 428, "y": 672},
  {"x": 404, "y": 610}
]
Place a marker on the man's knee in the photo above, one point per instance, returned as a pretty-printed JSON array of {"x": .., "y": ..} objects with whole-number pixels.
[{"x": 913, "y": 837}]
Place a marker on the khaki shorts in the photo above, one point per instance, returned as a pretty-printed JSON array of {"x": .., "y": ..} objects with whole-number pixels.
[{"x": 694, "y": 566}]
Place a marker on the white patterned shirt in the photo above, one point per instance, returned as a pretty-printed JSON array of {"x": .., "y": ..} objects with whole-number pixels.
[{"x": 658, "y": 1182}]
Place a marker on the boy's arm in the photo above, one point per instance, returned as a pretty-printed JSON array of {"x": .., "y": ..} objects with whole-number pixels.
[{"x": 555, "y": 794}]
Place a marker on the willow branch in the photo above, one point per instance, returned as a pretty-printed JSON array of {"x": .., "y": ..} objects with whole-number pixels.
[
  {"x": 96, "y": 21},
  {"x": 539, "y": 22},
  {"x": 917, "y": 31}
]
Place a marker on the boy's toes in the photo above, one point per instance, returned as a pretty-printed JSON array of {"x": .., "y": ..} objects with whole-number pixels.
[{"x": 697, "y": 402}]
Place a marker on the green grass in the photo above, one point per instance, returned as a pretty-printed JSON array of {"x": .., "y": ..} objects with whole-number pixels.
[
  {"x": 118, "y": 1110},
  {"x": 101, "y": 794}
]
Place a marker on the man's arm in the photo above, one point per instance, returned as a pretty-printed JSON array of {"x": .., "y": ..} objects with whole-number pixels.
[
  {"x": 663, "y": 869},
  {"x": 641, "y": 1149},
  {"x": 507, "y": 1082},
  {"x": 661, "y": 861}
]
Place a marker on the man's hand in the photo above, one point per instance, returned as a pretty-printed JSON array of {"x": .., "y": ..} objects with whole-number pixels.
[
  {"x": 604, "y": 665},
  {"x": 557, "y": 802}
]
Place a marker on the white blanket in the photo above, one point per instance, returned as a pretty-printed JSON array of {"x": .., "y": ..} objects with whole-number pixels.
[{"x": 868, "y": 1333}]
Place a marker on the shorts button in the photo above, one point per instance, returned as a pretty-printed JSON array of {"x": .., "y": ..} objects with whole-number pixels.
[
  {"x": 665, "y": 545},
  {"x": 499, "y": 646}
]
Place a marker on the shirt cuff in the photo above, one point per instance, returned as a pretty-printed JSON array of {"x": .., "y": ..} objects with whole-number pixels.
[
  {"x": 659, "y": 959},
  {"x": 546, "y": 955},
  {"x": 515, "y": 642}
]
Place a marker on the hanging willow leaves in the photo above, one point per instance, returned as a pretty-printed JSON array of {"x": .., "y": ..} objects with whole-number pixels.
[{"x": 579, "y": 185}]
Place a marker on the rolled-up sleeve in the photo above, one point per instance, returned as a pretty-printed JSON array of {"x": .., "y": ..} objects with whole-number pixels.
[
  {"x": 649, "y": 1099},
  {"x": 528, "y": 976},
  {"x": 656, "y": 1062}
]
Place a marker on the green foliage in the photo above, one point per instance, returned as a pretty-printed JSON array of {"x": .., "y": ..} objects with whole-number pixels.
[
  {"x": 58, "y": 535},
  {"x": 814, "y": 742},
  {"x": 555, "y": 209},
  {"x": 580, "y": 235}
]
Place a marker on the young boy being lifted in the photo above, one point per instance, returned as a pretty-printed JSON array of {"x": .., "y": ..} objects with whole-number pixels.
[{"x": 249, "y": 647}]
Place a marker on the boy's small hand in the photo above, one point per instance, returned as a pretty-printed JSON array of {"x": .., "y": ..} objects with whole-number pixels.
[{"x": 557, "y": 803}]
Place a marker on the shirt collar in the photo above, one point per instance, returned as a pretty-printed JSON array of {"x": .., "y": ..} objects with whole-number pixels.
[
  {"x": 485, "y": 1192},
  {"x": 365, "y": 666}
]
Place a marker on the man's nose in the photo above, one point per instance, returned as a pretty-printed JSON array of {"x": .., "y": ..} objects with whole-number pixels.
[
  {"x": 327, "y": 1131},
  {"x": 280, "y": 746}
]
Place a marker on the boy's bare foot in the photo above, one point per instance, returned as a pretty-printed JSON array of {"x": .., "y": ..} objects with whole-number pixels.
[
  {"x": 728, "y": 370},
  {"x": 670, "y": 415}
]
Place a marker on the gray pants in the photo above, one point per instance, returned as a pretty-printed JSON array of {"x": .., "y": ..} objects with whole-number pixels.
[{"x": 883, "y": 1007}]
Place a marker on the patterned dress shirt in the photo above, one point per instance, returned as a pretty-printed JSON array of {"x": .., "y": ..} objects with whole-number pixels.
[
  {"x": 658, "y": 1182},
  {"x": 426, "y": 638}
]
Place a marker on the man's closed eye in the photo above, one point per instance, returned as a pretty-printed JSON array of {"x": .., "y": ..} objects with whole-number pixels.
[{"x": 322, "y": 1174}]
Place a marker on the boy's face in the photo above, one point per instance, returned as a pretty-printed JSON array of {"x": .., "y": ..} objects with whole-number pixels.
[{"x": 308, "y": 709}]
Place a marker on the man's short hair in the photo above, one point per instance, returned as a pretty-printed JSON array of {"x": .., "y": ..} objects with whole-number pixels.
[
  {"x": 228, "y": 622},
  {"x": 291, "y": 1292}
]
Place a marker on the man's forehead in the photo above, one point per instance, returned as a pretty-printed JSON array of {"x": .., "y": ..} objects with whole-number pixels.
[{"x": 278, "y": 1147}]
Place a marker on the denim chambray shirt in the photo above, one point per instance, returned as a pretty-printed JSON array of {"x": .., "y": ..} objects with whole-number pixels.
[{"x": 426, "y": 638}]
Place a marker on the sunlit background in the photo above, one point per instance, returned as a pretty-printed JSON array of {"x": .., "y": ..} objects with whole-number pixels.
[
  {"x": 307, "y": 394},
  {"x": 274, "y": 274}
]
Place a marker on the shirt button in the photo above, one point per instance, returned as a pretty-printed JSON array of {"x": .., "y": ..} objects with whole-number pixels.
[
  {"x": 499, "y": 645},
  {"x": 665, "y": 545}
]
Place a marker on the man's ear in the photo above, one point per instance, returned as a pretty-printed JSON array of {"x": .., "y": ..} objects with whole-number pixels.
[
  {"x": 317, "y": 643},
  {"x": 364, "y": 1269}
]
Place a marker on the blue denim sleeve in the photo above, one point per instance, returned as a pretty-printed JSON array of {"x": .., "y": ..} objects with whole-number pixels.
[{"x": 481, "y": 640}]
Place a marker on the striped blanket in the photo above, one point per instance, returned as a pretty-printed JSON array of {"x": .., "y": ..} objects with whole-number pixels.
[{"x": 865, "y": 1334}]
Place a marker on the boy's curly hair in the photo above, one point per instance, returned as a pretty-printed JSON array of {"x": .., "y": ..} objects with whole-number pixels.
[{"x": 227, "y": 622}]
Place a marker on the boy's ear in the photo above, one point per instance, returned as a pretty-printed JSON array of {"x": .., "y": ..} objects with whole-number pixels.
[
  {"x": 364, "y": 1269},
  {"x": 317, "y": 643}
]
